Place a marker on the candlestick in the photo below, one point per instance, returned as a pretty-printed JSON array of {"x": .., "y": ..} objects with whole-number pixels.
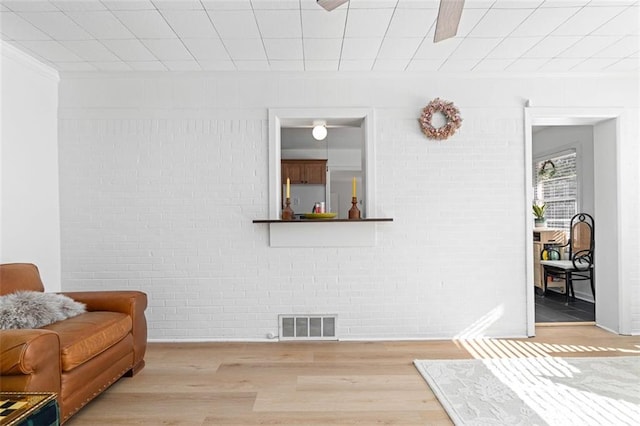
[
  {"x": 287, "y": 212},
  {"x": 354, "y": 212},
  {"x": 288, "y": 188},
  {"x": 353, "y": 187}
]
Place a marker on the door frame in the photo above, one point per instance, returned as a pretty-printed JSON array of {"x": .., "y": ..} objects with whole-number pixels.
[{"x": 560, "y": 116}]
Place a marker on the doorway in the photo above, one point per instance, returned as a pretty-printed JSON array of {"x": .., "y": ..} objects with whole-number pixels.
[
  {"x": 563, "y": 167},
  {"x": 604, "y": 125}
]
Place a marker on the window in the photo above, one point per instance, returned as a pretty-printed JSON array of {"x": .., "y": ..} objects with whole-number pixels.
[{"x": 556, "y": 184}]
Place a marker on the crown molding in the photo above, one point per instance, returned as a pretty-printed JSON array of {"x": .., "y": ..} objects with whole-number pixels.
[{"x": 15, "y": 54}]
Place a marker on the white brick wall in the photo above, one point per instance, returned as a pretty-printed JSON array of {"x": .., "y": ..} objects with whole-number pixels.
[{"x": 162, "y": 176}]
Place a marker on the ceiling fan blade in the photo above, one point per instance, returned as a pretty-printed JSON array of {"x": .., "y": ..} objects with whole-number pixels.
[
  {"x": 329, "y": 5},
  {"x": 448, "y": 19}
]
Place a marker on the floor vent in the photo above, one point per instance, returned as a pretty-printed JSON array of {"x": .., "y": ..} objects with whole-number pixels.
[{"x": 307, "y": 327}]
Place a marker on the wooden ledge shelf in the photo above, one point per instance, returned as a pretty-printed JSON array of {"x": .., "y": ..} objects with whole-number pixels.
[{"x": 373, "y": 219}]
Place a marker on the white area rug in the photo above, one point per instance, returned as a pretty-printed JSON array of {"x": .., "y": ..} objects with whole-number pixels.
[{"x": 537, "y": 391}]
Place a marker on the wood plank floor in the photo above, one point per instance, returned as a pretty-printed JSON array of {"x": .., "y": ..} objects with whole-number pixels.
[{"x": 312, "y": 383}]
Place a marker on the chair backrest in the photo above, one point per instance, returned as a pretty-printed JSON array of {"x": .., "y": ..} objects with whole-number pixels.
[
  {"x": 581, "y": 236},
  {"x": 19, "y": 276}
]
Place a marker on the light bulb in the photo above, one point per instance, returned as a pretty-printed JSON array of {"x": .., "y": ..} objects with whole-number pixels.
[{"x": 319, "y": 131}]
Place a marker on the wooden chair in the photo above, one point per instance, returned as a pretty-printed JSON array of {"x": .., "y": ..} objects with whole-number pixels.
[{"x": 580, "y": 263}]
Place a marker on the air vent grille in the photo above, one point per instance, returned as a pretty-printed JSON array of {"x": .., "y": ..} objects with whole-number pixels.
[{"x": 307, "y": 327}]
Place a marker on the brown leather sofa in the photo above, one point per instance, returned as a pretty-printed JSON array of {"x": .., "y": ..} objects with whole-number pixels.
[{"x": 76, "y": 358}]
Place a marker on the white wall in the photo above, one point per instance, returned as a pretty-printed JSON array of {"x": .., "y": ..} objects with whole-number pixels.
[
  {"x": 554, "y": 139},
  {"x": 30, "y": 214},
  {"x": 162, "y": 175}
]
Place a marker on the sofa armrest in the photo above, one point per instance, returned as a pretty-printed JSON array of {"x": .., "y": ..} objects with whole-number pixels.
[
  {"x": 29, "y": 361},
  {"x": 132, "y": 303}
]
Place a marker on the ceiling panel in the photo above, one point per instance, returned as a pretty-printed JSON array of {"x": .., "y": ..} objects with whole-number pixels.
[
  {"x": 235, "y": 24},
  {"x": 279, "y": 23},
  {"x": 101, "y": 24},
  {"x": 320, "y": 24},
  {"x": 145, "y": 23},
  {"x": 190, "y": 23},
  {"x": 299, "y": 35},
  {"x": 57, "y": 25},
  {"x": 16, "y": 28}
]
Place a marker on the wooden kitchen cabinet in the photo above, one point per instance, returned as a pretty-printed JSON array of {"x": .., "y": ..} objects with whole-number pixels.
[{"x": 304, "y": 171}]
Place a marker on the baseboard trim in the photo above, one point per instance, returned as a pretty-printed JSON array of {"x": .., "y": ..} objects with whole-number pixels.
[{"x": 565, "y": 324}]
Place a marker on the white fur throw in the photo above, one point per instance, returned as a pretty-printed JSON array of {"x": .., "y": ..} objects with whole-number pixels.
[{"x": 34, "y": 309}]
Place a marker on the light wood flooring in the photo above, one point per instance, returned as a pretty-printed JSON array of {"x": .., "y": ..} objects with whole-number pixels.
[{"x": 312, "y": 383}]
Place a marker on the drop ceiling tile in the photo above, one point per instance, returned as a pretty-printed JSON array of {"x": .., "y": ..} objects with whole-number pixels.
[
  {"x": 490, "y": 65},
  {"x": 235, "y": 23},
  {"x": 560, "y": 64},
  {"x": 412, "y": 22},
  {"x": 372, "y": 4},
  {"x": 51, "y": 51},
  {"x": 245, "y": 49},
  {"x": 279, "y": 23},
  {"x": 550, "y": 47},
  {"x": 587, "y": 20},
  {"x": 78, "y": 5},
  {"x": 145, "y": 23},
  {"x": 516, "y": 4},
  {"x": 430, "y": 50},
  {"x": 320, "y": 65},
  {"x": 425, "y": 64},
  {"x": 418, "y": 4},
  {"x": 593, "y": 64},
  {"x": 57, "y": 25},
  {"x": 513, "y": 47},
  {"x": 129, "y": 50},
  {"x": 90, "y": 50},
  {"x": 469, "y": 19},
  {"x": 227, "y": 4},
  {"x": 111, "y": 66},
  {"x": 625, "y": 23},
  {"x": 390, "y": 64},
  {"x": 499, "y": 22},
  {"x": 218, "y": 65},
  {"x": 356, "y": 65},
  {"x": 475, "y": 48},
  {"x": 368, "y": 22},
  {"x": 182, "y": 65},
  {"x": 283, "y": 48},
  {"x": 287, "y": 65},
  {"x": 275, "y": 4},
  {"x": 178, "y": 4},
  {"x": 479, "y": 4},
  {"x": 628, "y": 64},
  {"x": 129, "y": 5},
  {"x": 564, "y": 3},
  {"x": 544, "y": 20},
  {"x": 322, "y": 48},
  {"x": 190, "y": 23},
  {"x": 527, "y": 64},
  {"x": 320, "y": 24},
  {"x": 398, "y": 48},
  {"x": 252, "y": 65},
  {"x": 14, "y": 27},
  {"x": 147, "y": 65},
  {"x": 206, "y": 49},
  {"x": 360, "y": 48},
  {"x": 101, "y": 25},
  {"x": 30, "y": 6},
  {"x": 623, "y": 47},
  {"x": 589, "y": 46},
  {"x": 74, "y": 66},
  {"x": 458, "y": 65},
  {"x": 168, "y": 49}
]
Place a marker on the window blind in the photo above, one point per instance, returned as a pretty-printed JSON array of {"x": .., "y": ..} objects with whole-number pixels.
[{"x": 556, "y": 184}]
